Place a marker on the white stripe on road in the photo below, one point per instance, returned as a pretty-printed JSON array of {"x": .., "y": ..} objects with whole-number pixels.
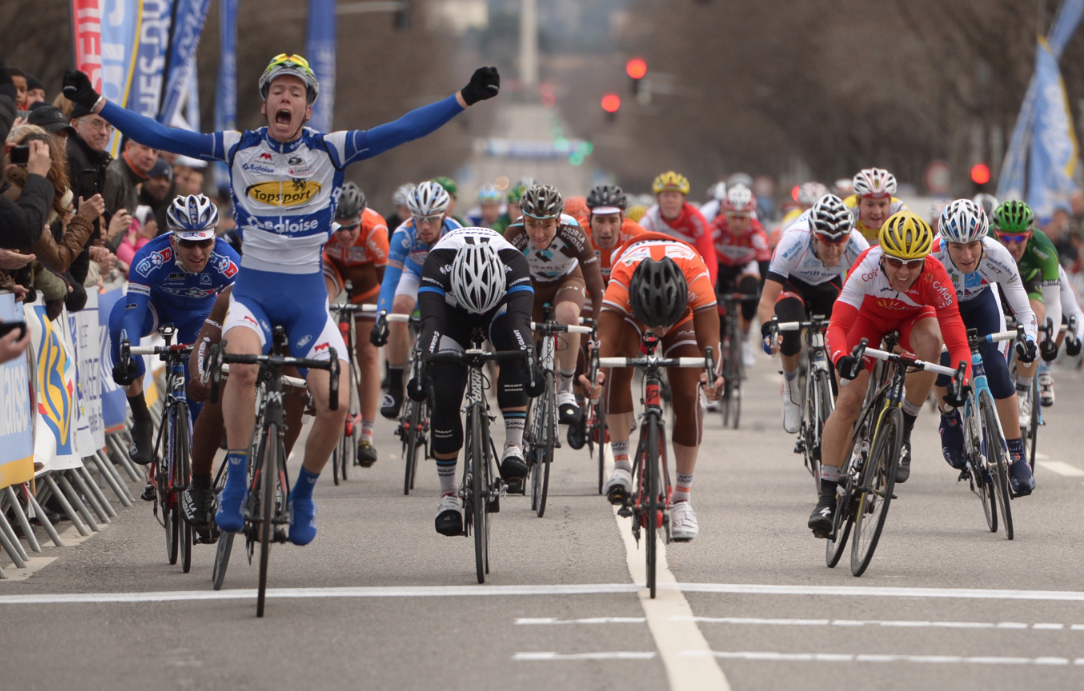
[
  {"x": 886, "y": 623},
  {"x": 844, "y": 657},
  {"x": 860, "y": 591},
  {"x": 551, "y": 657},
  {"x": 593, "y": 620},
  {"x": 1061, "y": 468}
]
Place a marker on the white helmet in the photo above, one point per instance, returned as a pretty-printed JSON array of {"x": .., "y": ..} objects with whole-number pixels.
[
  {"x": 874, "y": 182},
  {"x": 830, "y": 218},
  {"x": 478, "y": 281},
  {"x": 988, "y": 202},
  {"x": 402, "y": 194},
  {"x": 740, "y": 179},
  {"x": 717, "y": 191},
  {"x": 810, "y": 192},
  {"x": 428, "y": 199},
  {"x": 963, "y": 221}
]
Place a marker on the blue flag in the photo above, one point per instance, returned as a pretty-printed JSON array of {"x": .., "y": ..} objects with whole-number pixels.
[
  {"x": 1053, "y": 142},
  {"x": 226, "y": 88},
  {"x": 320, "y": 52},
  {"x": 187, "y": 27},
  {"x": 150, "y": 60},
  {"x": 120, "y": 25}
]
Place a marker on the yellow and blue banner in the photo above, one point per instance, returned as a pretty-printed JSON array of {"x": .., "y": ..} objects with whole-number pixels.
[
  {"x": 1053, "y": 142},
  {"x": 16, "y": 419},
  {"x": 320, "y": 52}
]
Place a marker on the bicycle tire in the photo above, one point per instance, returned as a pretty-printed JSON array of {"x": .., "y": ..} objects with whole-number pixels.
[
  {"x": 336, "y": 459},
  {"x": 268, "y": 469},
  {"x": 841, "y": 528},
  {"x": 879, "y": 475},
  {"x": 600, "y": 424},
  {"x": 410, "y": 419},
  {"x": 976, "y": 446},
  {"x": 998, "y": 462},
  {"x": 480, "y": 516},
  {"x": 1033, "y": 431},
  {"x": 533, "y": 436},
  {"x": 823, "y": 406},
  {"x": 169, "y": 500},
  {"x": 182, "y": 478},
  {"x": 735, "y": 414},
  {"x": 540, "y": 482},
  {"x": 651, "y": 471},
  {"x": 222, "y": 559}
]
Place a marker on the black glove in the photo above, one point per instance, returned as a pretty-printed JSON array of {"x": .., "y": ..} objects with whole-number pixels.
[
  {"x": 959, "y": 400},
  {"x": 77, "y": 298},
  {"x": 378, "y": 336},
  {"x": 416, "y": 390},
  {"x": 1049, "y": 350},
  {"x": 1026, "y": 351},
  {"x": 78, "y": 89},
  {"x": 125, "y": 375},
  {"x": 766, "y": 329},
  {"x": 54, "y": 308},
  {"x": 7, "y": 84},
  {"x": 539, "y": 387},
  {"x": 849, "y": 367},
  {"x": 484, "y": 83},
  {"x": 1072, "y": 347}
]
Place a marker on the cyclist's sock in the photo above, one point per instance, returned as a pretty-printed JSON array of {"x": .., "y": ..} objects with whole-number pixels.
[
  {"x": 568, "y": 377},
  {"x": 236, "y": 477},
  {"x": 201, "y": 481},
  {"x": 138, "y": 404},
  {"x": 828, "y": 487},
  {"x": 911, "y": 409},
  {"x": 1016, "y": 448},
  {"x": 367, "y": 427},
  {"x": 683, "y": 487},
  {"x": 306, "y": 480},
  {"x": 830, "y": 474},
  {"x": 790, "y": 376},
  {"x": 513, "y": 427},
  {"x": 446, "y": 475},
  {"x": 908, "y": 423},
  {"x": 1023, "y": 384},
  {"x": 621, "y": 455}
]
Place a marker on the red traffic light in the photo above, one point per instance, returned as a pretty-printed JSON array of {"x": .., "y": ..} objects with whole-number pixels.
[
  {"x": 636, "y": 68},
  {"x": 980, "y": 174},
  {"x": 611, "y": 103}
]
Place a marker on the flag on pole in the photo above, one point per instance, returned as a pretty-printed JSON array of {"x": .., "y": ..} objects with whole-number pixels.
[
  {"x": 320, "y": 52},
  {"x": 226, "y": 88},
  {"x": 1053, "y": 143}
]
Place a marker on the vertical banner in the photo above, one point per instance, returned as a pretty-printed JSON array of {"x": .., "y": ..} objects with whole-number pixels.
[
  {"x": 114, "y": 410},
  {"x": 120, "y": 23},
  {"x": 1053, "y": 142},
  {"x": 146, "y": 87},
  {"x": 320, "y": 52},
  {"x": 86, "y": 337},
  {"x": 191, "y": 101},
  {"x": 182, "y": 52},
  {"x": 226, "y": 87},
  {"x": 54, "y": 435},
  {"x": 16, "y": 422},
  {"x": 87, "y": 39}
]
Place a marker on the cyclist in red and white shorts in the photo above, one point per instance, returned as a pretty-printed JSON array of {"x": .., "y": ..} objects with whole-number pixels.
[{"x": 895, "y": 286}]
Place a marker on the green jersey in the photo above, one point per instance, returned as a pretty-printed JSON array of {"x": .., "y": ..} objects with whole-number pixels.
[{"x": 1039, "y": 265}]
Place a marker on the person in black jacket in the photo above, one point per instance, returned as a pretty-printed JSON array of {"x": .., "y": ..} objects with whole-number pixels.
[{"x": 22, "y": 222}]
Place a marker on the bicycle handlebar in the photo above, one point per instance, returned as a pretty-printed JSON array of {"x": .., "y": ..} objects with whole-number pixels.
[
  {"x": 295, "y": 382},
  {"x": 347, "y": 307},
  {"x": 738, "y": 297},
  {"x": 158, "y": 350},
  {"x": 547, "y": 327},
  {"x": 619, "y": 362},
  {"x": 476, "y": 357},
  {"x": 219, "y": 358},
  {"x": 908, "y": 359}
]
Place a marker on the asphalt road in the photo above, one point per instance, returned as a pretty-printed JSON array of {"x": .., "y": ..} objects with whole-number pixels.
[{"x": 380, "y": 600}]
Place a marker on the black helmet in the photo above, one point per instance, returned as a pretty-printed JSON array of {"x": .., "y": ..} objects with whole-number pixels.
[
  {"x": 658, "y": 292},
  {"x": 351, "y": 203},
  {"x": 607, "y": 195},
  {"x": 542, "y": 201}
]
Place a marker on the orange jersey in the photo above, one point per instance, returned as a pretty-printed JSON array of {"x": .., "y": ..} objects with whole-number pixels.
[
  {"x": 370, "y": 247},
  {"x": 629, "y": 229},
  {"x": 656, "y": 246}
]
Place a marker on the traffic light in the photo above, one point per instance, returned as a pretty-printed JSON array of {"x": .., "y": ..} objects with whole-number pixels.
[
  {"x": 980, "y": 174},
  {"x": 636, "y": 68},
  {"x": 611, "y": 103}
]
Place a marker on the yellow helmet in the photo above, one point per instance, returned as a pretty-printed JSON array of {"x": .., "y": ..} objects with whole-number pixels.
[
  {"x": 906, "y": 236},
  {"x": 636, "y": 212},
  {"x": 671, "y": 182}
]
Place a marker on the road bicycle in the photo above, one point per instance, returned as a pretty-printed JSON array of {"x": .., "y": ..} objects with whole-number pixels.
[
  {"x": 649, "y": 503},
  {"x": 267, "y": 510},
  {"x": 733, "y": 367},
  {"x": 869, "y": 474},
  {"x": 592, "y": 429},
  {"x": 345, "y": 454}
]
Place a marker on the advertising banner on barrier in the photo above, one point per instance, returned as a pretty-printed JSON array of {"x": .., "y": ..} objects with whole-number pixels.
[
  {"x": 114, "y": 409},
  {"x": 85, "y": 332},
  {"x": 54, "y": 419},
  {"x": 16, "y": 421}
]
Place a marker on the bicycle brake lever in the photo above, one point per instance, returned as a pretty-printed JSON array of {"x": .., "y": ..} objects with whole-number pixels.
[{"x": 333, "y": 389}]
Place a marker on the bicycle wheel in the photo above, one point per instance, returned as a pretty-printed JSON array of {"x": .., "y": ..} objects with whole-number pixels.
[
  {"x": 997, "y": 462},
  {"x": 735, "y": 413},
  {"x": 182, "y": 476},
  {"x": 1033, "y": 430},
  {"x": 268, "y": 470},
  {"x": 822, "y": 407},
  {"x": 222, "y": 559},
  {"x": 337, "y": 458},
  {"x": 479, "y": 496},
  {"x": 170, "y": 509},
  {"x": 875, "y": 492},
  {"x": 540, "y": 480},
  {"x": 841, "y": 526},
  {"x": 650, "y": 502},
  {"x": 600, "y": 429},
  {"x": 411, "y": 421}
]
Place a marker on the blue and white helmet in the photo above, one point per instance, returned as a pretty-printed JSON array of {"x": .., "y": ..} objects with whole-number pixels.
[
  {"x": 428, "y": 199},
  {"x": 963, "y": 221},
  {"x": 490, "y": 193},
  {"x": 192, "y": 218}
]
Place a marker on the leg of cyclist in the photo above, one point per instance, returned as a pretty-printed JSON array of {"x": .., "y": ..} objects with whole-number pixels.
[
  {"x": 1025, "y": 373},
  {"x": 688, "y": 428},
  {"x": 567, "y": 305},
  {"x": 748, "y": 284},
  {"x": 369, "y": 385},
  {"x": 142, "y": 450},
  {"x": 921, "y": 335},
  {"x": 619, "y": 337},
  {"x": 238, "y": 408},
  {"x": 446, "y": 423},
  {"x": 511, "y": 393},
  {"x": 398, "y": 345},
  {"x": 787, "y": 304}
]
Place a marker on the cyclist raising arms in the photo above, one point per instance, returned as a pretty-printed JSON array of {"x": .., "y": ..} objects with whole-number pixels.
[
  {"x": 674, "y": 216},
  {"x": 893, "y": 287},
  {"x": 357, "y": 253},
  {"x": 473, "y": 279},
  {"x": 660, "y": 285},
  {"x": 975, "y": 262},
  {"x": 805, "y": 278},
  {"x": 562, "y": 264},
  {"x": 741, "y": 246},
  {"x": 410, "y": 244},
  {"x": 873, "y": 201},
  {"x": 1037, "y": 260},
  {"x": 285, "y": 180},
  {"x": 174, "y": 279}
]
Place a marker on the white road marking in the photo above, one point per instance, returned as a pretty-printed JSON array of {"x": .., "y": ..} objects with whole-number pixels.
[
  {"x": 549, "y": 657},
  {"x": 592, "y": 620},
  {"x": 1061, "y": 468},
  {"x": 860, "y": 591},
  {"x": 844, "y": 657},
  {"x": 886, "y": 623},
  {"x": 673, "y": 635}
]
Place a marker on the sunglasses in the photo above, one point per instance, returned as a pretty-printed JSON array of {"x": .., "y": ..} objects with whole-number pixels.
[
  {"x": 284, "y": 59},
  {"x": 348, "y": 229},
  {"x": 1015, "y": 238},
  {"x": 834, "y": 241},
  {"x": 900, "y": 263},
  {"x": 192, "y": 244},
  {"x": 738, "y": 216},
  {"x": 426, "y": 220}
]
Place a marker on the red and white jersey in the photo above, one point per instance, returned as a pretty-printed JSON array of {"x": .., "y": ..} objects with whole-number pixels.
[
  {"x": 736, "y": 250},
  {"x": 690, "y": 227}
]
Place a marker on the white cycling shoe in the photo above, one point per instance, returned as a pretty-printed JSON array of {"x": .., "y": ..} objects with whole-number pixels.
[
  {"x": 792, "y": 407},
  {"x": 748, "y": 354},
  {"x": 683, "y": 525},
  {"x": 450, "y": 516},
  {"x": 1024, "y": 400},
  {"x": 619, "y": 486}
]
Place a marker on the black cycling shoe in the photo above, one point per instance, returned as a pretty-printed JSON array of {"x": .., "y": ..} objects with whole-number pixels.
[
  {"x": 366, "y": 453},
  {"x": 820, "y": 521},
  {"x": 196, "y": 504},
  {"x": 142, "y": 449},
  {"x": 393, "y": 402},
  {"x": 449, "y": 520},
  {"x": 904, "y": 470},
  {"x": 148, "y": 493},
  {"x": 568, "y": 413},
  {"x": 514, "y": 470},
  {"x": 577, "y": 433}
]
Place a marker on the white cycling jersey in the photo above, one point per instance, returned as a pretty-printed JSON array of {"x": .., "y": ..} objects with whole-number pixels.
[{"x": 795, "y": 257}]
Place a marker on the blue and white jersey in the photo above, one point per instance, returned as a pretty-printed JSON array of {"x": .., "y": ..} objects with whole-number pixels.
[
  {"x": 795, "y": 256},
  {"x": 157, "y": 277},
  {"x": 406, "y": 255},
  {"x": 284, "y": 194}
]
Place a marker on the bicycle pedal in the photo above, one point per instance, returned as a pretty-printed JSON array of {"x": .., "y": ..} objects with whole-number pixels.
[
  {"x": 494, "y": 505},
  {"x": 625, "y": 511},
  {"x": 148, "y": 493}
]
